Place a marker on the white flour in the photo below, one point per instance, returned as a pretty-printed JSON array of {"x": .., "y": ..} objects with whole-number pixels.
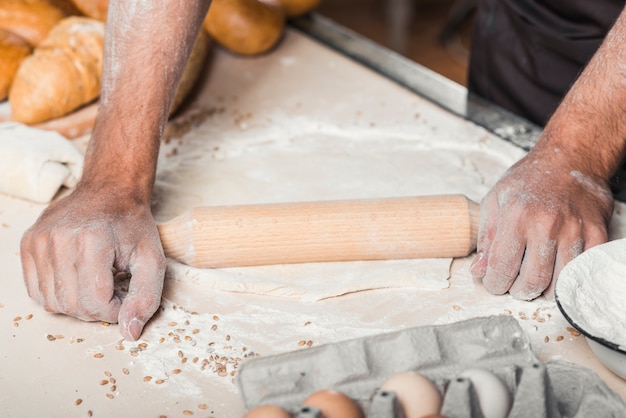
[{"x": 592, "y": 290}]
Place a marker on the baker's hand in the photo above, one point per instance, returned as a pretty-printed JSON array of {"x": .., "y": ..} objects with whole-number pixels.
[
  {"x": 68, "y": 256},
  {"x": 539, "y": 216}
]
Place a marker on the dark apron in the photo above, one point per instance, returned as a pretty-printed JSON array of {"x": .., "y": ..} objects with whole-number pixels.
[{"x": 525, "y": 54}]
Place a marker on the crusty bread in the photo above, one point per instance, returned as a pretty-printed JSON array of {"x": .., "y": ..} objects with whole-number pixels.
[
  {"x": 246, "y": 27},
  {"x": 96, "y": 9},
  {"x": 62, "y": 74},
  {"x": 295, "y": 8},
  {"x": 192, "y": 71},
  {"x": 13, "y": 50},
  {"x": 30, "y": 19}
]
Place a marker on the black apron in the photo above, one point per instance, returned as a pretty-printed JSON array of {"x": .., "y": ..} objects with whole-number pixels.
[{"x": 525, "y": 54}]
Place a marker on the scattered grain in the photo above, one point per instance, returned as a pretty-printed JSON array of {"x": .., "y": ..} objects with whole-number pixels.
[
  {"x": 147, "y": 378},
  {"x": 309, "y": 343},
  {"x": 159, "y": 382},
  {"x": 105, "y": 324},
  {"x": 559, "y": 338},
  {"x": 202, "y": 406},
  {"x": 176, "y": 371},
  {"x": 546, "y": 339},
  {"x": 78, "y": 401},
  {"x": 187, "y": 412},
  {"x": 213, "y": 327},
  {"x": 98, "y": 355},
  {"x": 110, "y": 395},
  {"x": 104, "y": 382},
  {"x": 125, "y": 371},
  {"x": 573, "y": 332},
  {"x": 301, "y": 343},
  {"x": 50, "y": 337},
  {"x": 29, "y": 316}
]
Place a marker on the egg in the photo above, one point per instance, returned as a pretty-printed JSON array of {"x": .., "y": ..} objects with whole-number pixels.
[
  {"x": 334, "y": 404},
  {"x": 417, "y": 395},
  {"x": 493, "y": 395},
  {"x": 267, "y": 411}
]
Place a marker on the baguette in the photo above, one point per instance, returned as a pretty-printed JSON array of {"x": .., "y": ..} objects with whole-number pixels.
[
  {"x": 62, "y": 74},
  {"x": 13, "y": 50},
  {"x": 29, "y": 19}
]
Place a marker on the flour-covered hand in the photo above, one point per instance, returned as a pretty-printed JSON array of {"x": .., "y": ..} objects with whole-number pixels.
[
  {"x": 539, "y": 216},
  {"x": 70, "y": 253}
]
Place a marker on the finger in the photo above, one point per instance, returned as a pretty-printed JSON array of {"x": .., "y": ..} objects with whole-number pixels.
[
  {"x": 97, "y": 299},
  {"x": 486, "y": 232},
  {"x": 29, "y": 268},
  {"x": 44, "y": 272},
  {"x": 566, "y": 253},
  {"x": 505, "y": 259},
  {"x": 144, "y": 295},
  {"x": 65, "y": 279},
  {"x": 536, "y": 271}
]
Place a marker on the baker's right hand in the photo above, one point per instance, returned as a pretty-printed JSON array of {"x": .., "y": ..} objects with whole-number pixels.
[{"x": 69, "y": 254}]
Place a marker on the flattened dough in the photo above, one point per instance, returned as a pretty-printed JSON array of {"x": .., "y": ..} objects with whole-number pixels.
[{"x": 300, "y": 159}]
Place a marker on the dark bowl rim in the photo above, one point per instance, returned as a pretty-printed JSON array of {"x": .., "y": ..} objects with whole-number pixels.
[{"x": 599, "y": 340}]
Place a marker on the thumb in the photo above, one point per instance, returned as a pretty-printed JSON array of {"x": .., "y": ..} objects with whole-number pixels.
[
  {"x": 143, "y": 298},
  {"x": 486, "y": 232}
]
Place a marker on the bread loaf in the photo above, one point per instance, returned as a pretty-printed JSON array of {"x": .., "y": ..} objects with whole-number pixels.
[
  {"x": 245, "y": 27},
  {"x": 96, "y": 9},
  {"x": 62, "y": 74},
  {"x": 13, "y": 50},
  {"x": 295, "y": 8},
  {"x": 29, "y": 19},
  {"x": 192, "y": 71}
]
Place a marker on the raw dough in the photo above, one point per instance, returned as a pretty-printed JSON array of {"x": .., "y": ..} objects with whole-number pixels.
[
  {"x": 288, "y": 159},
  {"x": 35, "y": 164}
]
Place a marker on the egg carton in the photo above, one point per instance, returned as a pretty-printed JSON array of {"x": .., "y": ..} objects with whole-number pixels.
[{"x": 358, "y": 367}]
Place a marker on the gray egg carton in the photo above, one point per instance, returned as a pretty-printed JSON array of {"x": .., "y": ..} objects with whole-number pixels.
[{"x": 358, "y": 367}]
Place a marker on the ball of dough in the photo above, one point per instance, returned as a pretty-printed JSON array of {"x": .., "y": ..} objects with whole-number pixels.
[{"x": 246, "y": 27}]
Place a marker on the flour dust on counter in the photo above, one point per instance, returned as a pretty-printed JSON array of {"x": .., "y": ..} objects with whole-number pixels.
[{"x": 280, "y": 158}]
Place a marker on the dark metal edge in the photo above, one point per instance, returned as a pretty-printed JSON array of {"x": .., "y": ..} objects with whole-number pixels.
[{"x": 436, "y": 88}]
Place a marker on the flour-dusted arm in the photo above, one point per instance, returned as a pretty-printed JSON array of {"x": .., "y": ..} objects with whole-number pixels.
[
  {"x": 556, "y": 203},
  {"x": 69, "y": 254}
]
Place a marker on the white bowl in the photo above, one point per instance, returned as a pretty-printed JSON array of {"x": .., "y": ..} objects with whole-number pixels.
[{"x": 591, "y": 294}]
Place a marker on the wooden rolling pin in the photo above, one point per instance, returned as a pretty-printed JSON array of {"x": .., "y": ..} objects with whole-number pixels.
[{"x": 284, "y": 233}]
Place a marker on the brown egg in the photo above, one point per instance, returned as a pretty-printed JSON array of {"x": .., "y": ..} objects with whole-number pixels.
[
  {"x": 246, "y": 27},
  {"x": 334, "y": 404},
  {"x": 417, "y": 395},
  {"x": 267, "y": 411}
]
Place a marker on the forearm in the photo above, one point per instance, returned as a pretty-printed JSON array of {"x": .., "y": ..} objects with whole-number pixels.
[
  {"x": 146, "y": 50},
  {"x": 588, "y": 130}
]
